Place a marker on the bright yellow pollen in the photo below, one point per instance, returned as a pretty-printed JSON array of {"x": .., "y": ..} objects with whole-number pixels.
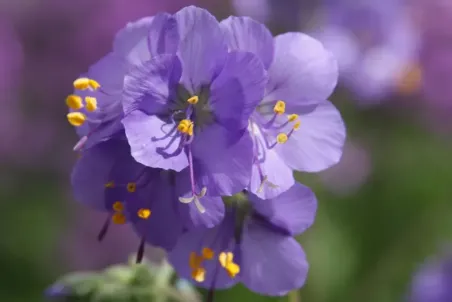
[
  {"x": 119, "y": 218},
  {"x": 297, "y": 125},
  {"x": 195, "y": 260},
  {"x": 110, "y": 184},
  {"x": 193, "y": 100},
  {"x": 74, "y": 102},
  {"x": 91, "y": 103},
  {"x": 292, "y": 117},
  {"x": 131, "y": 187},
  {"x": 76, "y": 119},
  {"x": 81, "y": 83},
  {"x": 186, "y": 127},
  {"x": 144, "y": 213},
  {"x": 280, "y": 107},
  {"x": 118, "y": 206},
  {"x": 227, "y": 262},
  {"x": 199, "y": 274},
  {"x": 282, "y": 138},
  {"x": 93, "y": 84},
  {"x": 207, "y": 253}
]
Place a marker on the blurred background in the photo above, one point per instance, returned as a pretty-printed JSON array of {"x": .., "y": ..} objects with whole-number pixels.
[{"x": 382, "y": 211}]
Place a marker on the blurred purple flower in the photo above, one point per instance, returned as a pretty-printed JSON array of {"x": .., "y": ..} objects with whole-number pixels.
[
  {"x": 375, "y": 43},
  {"x": 294, "y": 126},
  {"x": 433, "y": 281},
  {"x": 255, "y": 247}
]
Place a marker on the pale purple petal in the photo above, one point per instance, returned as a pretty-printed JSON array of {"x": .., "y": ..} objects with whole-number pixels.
[
  {"x": 92, "y": 172},
  {"x": 272, "y": 264},
  {"x": 293, "y": 211},
  {"x": 132, "y": 42},
  {"x": 303, "y": 73},
  {"x": 318, "y": 143},
  {"x": 246, "y": 34},
  {"x": 150, "y": 86},
  {"x": 150, "y": 143},
  {"x": 238, "y": 89},
  {"x": 224, "y": 162},
  {"x": 270, "y": 165},
  {"x": 202, "y": 47},
  {"x": 163, "y": 35}
]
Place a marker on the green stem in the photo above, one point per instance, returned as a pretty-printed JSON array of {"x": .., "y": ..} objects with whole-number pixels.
[{"x": 294, "y": 296}]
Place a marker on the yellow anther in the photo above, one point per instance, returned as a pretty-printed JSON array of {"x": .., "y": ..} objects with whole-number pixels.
[
  {"x": 131, "y": 187},
  {"x": 297, "y": 125},
  {"x": 74, "y": 102},
  {"x": 91, "y": 103},
  {"x": 280, "y": 107},
  {"x": 110, "y": 184},
  {"x": 292, "y": 117},
  {"x": 76, "y": 119},
  {"x": 195, "y": 260},
  {"x": 186, "y": 127},
  {"x": 93, "y": 84},
  {"x": 207, "y": 253},
  {"x": 198, "y": 274},
  {"x": 193, "y": 100},
  {"x": 227, "y": 262},
  {"x": 119, "y": 218},
  {"x": 81, "y": 83},
  {"x": 118, "y": 206},
  {"x": 282, "y": 138},
  {"x": 144, "y": 213}
]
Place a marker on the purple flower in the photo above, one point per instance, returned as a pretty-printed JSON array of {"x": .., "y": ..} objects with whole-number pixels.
[
  {"x": 254, "y": 245},
  {"x": 294, "y": 126},
  {"x": 433, "y": 282},
  {"x": 188, "y": 106},
  {"x": 107, "y": 178}
]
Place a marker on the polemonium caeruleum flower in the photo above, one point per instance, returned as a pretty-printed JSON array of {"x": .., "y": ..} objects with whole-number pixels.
[
  {"x": 254, "y": 245},
  {"x": 294, "y": 126},
  {"x": 433, "y": 281},
  {"x": 188, "y": 106},
  {"x": 107, "y": 178},
  {"x": 375, "y": 43}
]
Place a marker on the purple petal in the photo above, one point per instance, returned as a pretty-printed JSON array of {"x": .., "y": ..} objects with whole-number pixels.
[
  {"x": 131, "y": 42},
  {"x": 149, "y": 86},
  {"x": 303, "y": 72},
  {"x": 164, "y": 226},
  {"x": 246, "y": 34},
  {"x": 92, "y": 172},
  {"x": 223, "y": 167},
  {"x": 293, "y": 210},
  {"x": 318, "y": 144},
  {"x": 219, "y": 239},
  {"x": 202, "y": 47},
  {"x": 270, "y": 165},
  {"x": 150, "y": 143},
  {"x": 163, "y": 35},
  {"x": 238, "y": 89},
  {"x": 272, "y": 264}
]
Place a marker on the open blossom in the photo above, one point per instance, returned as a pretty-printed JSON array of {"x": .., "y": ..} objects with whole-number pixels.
[
  {"x": 294, "y": 127},
  {"x": 254, "y": 245},
  {"x": 107, "y": 178},
  {"x": 187, "y": 108}
]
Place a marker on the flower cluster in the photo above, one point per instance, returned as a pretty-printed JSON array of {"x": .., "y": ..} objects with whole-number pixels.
[{"x": 190, "y": 130}]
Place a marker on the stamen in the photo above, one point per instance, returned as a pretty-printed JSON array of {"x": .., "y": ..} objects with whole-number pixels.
[
  {"x": 144, "y": 213},
  {"x": 292, "y": 117},
  {"x": 193, "y": 100},
  {"x": 76, "y": 119},
  {"x": 74, "y": 102},
  {"x": 198, "y": 205},
  {"x": 226, "y": 261},
  {"x": 207, "y": 253},
  {"x": 140, "y": 253},
  {"x": 93, "y": 84},
  {"x": 282, "y": 138},
  {"x": 185, "y": 126},
  {"x": 297, "y": 125},
  {"x": 79, "y": 145},
  {"x": 118, "y": 206},
  {"x": 199, "y": 274},
  {"x": 91, "y": 103},
  {"x": 195, "y": 260},
  {"x": 119, "y": 218},
  {"x": 110, "y": 184},
  {"x": 81, "y": 83},
  {"x": 280, "y": 107},
  {"x": 104, "y": 229},
  {"x": 131, "y": 187}
]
